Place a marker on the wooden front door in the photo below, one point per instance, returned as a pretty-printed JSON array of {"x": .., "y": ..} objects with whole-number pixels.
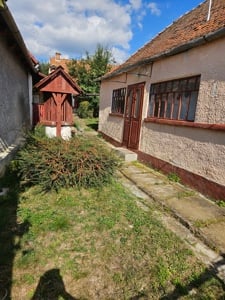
[{"x": 133, "y": 113}]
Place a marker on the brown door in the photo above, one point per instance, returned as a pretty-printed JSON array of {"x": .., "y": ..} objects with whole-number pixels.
[{"x": 133, "y": 112}]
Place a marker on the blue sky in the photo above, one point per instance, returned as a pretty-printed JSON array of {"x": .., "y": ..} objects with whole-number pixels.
[
  {"x": 73, "y": 27},
  {"x": 154, "y": 23}
]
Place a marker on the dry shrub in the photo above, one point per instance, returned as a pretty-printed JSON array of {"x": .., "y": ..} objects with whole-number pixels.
[{"x": 55, "y": 163}]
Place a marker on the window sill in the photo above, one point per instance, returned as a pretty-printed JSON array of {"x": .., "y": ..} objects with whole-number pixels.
[
  {"x": 186, "y": 124},
  {"x": 116, "y": 115}
]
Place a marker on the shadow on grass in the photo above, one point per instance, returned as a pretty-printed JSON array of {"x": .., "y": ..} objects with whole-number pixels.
[
  {"x": 51, "y": 286},
  {"x": 194, "y": 286},
  {"x": 10, "y": 231},
  {"x": 210, "y": 273},
  {"x": 93, "y": 125}
]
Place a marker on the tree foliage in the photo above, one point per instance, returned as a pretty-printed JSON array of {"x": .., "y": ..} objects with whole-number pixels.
[
  {"x": 87, "y": 70},
  {"x": 44, "y": 68}
]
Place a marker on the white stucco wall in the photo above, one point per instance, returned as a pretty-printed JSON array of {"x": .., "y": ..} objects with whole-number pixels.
[
  {"x": 197, "y": 150},
  {"x": 112, "y": 125},
  {"x": 200, "y": 151},
  {"x": 207, "y": 61}
]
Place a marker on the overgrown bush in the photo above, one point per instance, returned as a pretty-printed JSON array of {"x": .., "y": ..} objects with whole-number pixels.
[
  {"x": 84, "y": 110},
  {"x": 55, "y": 163}
]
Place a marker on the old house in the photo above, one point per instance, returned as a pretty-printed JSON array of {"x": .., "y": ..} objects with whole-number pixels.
[
  {"x": 167, "y": 101},
  {"x": 15, "y": 86},
  {"x": 53, "y": 103},
  {"x": 58, "y": 60}
]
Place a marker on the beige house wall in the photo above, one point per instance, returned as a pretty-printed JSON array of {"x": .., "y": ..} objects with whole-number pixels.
[
  {"x": 200, "y": 151},
  {"x": 110, "y": 124},
  {"x": 207, "y": 61}
]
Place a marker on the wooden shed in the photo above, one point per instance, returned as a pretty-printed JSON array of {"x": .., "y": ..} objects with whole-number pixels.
[{"x": 53, "y": 103}]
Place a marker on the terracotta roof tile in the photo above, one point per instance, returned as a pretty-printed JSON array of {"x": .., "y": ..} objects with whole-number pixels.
[{"x": 189, "y": 27}]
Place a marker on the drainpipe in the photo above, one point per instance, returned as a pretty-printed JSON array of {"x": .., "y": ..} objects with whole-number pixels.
[{"x": 209, "y": 12}]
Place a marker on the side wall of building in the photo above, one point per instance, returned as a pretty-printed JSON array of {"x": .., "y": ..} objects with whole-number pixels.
[
  {"x": 196, "y": 149},
  {"x": 14, "y": 101}
]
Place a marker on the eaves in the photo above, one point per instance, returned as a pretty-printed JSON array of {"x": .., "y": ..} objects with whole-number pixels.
[
  {"x": 10, "y": 23},
  {"x": 173, "y": 51}
]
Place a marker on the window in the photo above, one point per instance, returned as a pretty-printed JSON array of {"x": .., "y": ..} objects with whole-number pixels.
[
  {"x": 175, "y": 99},
  {"x": 118, "y": 101}
]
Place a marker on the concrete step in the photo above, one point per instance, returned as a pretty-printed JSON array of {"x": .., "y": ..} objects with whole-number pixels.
[{"x": 125, "y": 154}]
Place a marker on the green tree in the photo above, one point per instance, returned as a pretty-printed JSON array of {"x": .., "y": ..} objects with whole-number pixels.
[
  {"x": 88, "y": 69},
  {"x": 44, "y": 67}
]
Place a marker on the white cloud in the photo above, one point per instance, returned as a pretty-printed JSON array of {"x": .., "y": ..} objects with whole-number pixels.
[
  {"x": 154, "y": 9},
  {"x": 136, "y": 4},
  {"x": 119, "y": 55},
  {"x": 73, "y": 26}
]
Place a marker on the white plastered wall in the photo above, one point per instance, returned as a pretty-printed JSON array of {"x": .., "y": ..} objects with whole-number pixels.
[
  {"x": 110, "y": 124},
  {"x": 200, "y": 151}
]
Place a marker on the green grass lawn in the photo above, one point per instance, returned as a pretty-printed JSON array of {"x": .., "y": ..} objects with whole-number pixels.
[{"x": 93, "y": 244}]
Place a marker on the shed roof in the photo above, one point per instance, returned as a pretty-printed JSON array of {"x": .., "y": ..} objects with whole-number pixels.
[
  {"x": 191, "y": 30},
  {"x": 60, "y": 82}
]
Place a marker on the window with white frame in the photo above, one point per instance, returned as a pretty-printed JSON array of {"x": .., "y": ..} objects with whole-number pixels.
[
  {"x": 118, "y": 101},
  {"x": 175, "y": 99}
]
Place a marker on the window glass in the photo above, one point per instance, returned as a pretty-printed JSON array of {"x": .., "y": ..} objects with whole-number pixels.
[
  {"x": 176, "y": 106},
  {"x": 163, "y": 106},
  {"x": 183, "y": 85},
  {"x": 137, "y": 103},
  {"x": 129, "y": 103},
  {"x": 162, "y": 87},
  {"x": 118, "y": 101},
  {"x": 157, "y": 103},
  {"x": 192, "y": 106},
  {"x": 151, "y": 105},
  {"x": 175, "y": 85},
  {"x": 169, "y": 106},
  {"x": 175, "y": 99},
  {"x": 169, "y": 86},
  {"x": 191, "y": 84},
  {"x": 184, "y": 106}
]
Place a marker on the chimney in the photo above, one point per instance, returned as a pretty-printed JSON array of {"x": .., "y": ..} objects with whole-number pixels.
[{"x": 58, "y": 56}]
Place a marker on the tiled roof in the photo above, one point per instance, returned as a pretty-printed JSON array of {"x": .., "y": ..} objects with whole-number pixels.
[
  {"x": 57, "y": 61},
  {"x": 189, "y": 27}
]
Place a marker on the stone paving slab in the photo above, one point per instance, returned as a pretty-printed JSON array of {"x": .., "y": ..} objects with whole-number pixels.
[
  {"x": 201, "y": 215},
  {"x": 196, "y": 209},
  {"x": 215, "y": 234}
]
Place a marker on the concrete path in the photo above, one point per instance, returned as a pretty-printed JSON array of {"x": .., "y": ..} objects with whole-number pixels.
[
  {"x": 212, "y": 259},
  {"x": 195, "y": 219},
  {"x": 202, "y": 216},
  {"x": 199, "y": 214}
]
